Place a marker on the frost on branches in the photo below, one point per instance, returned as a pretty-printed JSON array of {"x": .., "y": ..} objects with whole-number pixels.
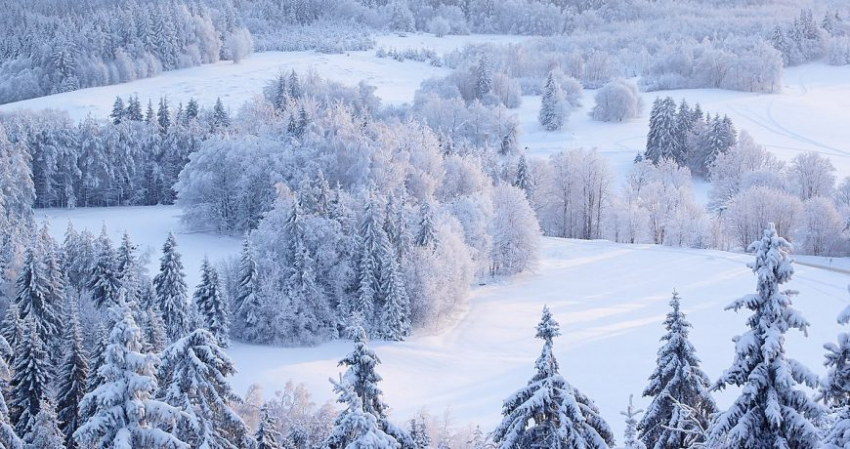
[
  {"x": 771, "y": 411},
  {"x": 124, "y": 414},
  {"x": 677, "y": 381},
  {"x": 549, "y": 412}
]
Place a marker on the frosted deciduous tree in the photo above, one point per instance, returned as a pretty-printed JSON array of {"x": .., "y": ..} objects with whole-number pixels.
[
  {"x": 677, "y": 380},
  {"x": 549, "y": 412},
  {"x": 751, "y": 211},
  {"x": 821, "y": 228},
  {"x": 171, "y": 291},
  {"x": 617, "y": 101},
  {"x": 772, "y": 411},
  {"x": 811, "y": 175},
  {"x": 515, "y": 231}
]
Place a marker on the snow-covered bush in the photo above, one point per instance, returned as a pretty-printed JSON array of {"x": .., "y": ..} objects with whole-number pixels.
[
  {"x": 617, "y": 101},
  {"x": 439, "y": 26}
]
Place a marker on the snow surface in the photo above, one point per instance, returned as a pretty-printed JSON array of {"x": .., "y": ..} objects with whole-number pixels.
[
  {"x": 809, "y": 114},
  {"x": 609, "y": 298},
  {"x": 236, "y": 84}
]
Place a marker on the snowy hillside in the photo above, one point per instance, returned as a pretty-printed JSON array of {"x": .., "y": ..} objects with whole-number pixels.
[
  {"x": 609, "y": 298},
  {"x": 807, "y": 115}
]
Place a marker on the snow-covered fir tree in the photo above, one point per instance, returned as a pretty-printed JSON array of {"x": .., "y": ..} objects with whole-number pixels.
[
  {"x": 220, "y": 117},
  {"x": 212, "y": 307},
  {"x": 118, "y": 111},
  {"x": 31, "y": 379},
  {"x": 631, "y": 440},
  {"x": 36, "y": 295},
  {"x": 362, "y": 377},
  {"x": 71, "y": 380},
  {"x": 553, "y": 109},
  {"x": 104, "y": 283},
  {"x": 127, "y": 268},
  {"x": 193, "y": 377},
  {"x": 44, "y": 432},
  {"x": 124, "y": 413},
  {"x": 266, "y": 435},
  {"x": 549, "y": 412},
  {"x": 426, "y": 236},
  {"x": 419, "y": 432},
  {"x": 171, "y": 291},
  {"x": 8, "y": 438},
  {"x": 394, "y": 321},
  {"x": 772, "y": 411},
  {"x": 247, "y": 302},
  {"x": 356, "y": 428},
  {"x": 835, "y": 387},
  {"x": 663, "y": 140},
  {"x": 372, "y": 245},
  {"x": 306, "y": 310},
  {"x": 677, "y": 380}
]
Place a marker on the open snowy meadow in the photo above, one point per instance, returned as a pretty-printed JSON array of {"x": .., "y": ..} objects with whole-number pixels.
[{"x": 610, "y": 299}]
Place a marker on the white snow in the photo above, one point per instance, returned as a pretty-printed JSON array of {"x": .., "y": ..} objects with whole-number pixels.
[
  {"x": 609, "y": 298},
  {"x": 236, "y": 84}
]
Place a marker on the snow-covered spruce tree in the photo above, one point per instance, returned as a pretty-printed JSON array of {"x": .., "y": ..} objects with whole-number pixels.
[
  {"x": 356, "y": 428},
  {"x": 127, "y": 269},
  {"x": 371, "y": 248},
  {"x": 36, "y": 296},
  {"x": 8, "y": 438},
  {"x": 419, "y": 432},
  {"x": 630, "y": 434},
  {"x": 71, "y": 381},
  {"x": 677, "y": 380},
  {"x": 306, "y": 315},
  {"x": 171, "y": 291},
  {"x": 394, "y": 321},
  {"x": 193, "y": 377},
  {"x": 771, "y": 411},
  {"x": 552, "y": 107},
  {"x": 44, "y": 432},
  {"x": 31, "y": 379},
  {"x": 426, "y": 236},
  {"x": 363, "y": 380},
  {"x": 266, "y": 435},
  {"x": 247, "y": 304},
  {"x": 549, "y": 412},
  {"x": 96, "y": 361},
  {"x": 835, "y": 387},
  {"x": 124, "y": 413},
  {"x": 53, "y": 271},
  {"x": 153, "y": 330},
  {"x": 12, "y": 327},
  {"x": 103, "y": 282},
  {"x": 209, "y": 299},
  {"x": 663, "y": 142}
]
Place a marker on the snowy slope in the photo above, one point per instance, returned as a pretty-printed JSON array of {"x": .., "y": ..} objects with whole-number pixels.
[
  {"x": 808, "y": 115},
  {"x": 236, "y": 84},
  {"x": 609, "y": 298}
]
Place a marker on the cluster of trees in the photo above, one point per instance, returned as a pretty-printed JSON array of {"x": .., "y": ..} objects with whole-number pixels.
[
  {"x": 51, "y": 47},
  {"x": 803, "y": 40},
  {"x": 132, "y": 160},
  {"x": 771, "y": 410},
  {"x": 687, "y": 136},
  {"x": 150, "y": 372}
]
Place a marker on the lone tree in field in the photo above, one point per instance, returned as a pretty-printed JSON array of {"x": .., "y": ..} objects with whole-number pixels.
[
  {"x": 771, "y": 412},
  {"x": 677, "y": 381},
  {"x": 549, "y": 412},
  {"x": 552, "y": 107}
]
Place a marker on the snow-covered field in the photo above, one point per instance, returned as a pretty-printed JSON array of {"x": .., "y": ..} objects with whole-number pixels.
[
  {"x": 236, "y": 84},
  {"x": 808, "y": 115},
  {"x": 609, "y": 298}
]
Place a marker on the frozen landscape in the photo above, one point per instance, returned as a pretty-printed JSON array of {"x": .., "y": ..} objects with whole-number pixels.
[{"x": 239, "y": 204}]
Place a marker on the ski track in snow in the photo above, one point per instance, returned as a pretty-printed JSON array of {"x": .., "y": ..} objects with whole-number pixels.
[{"x": 610, "y": 299}]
